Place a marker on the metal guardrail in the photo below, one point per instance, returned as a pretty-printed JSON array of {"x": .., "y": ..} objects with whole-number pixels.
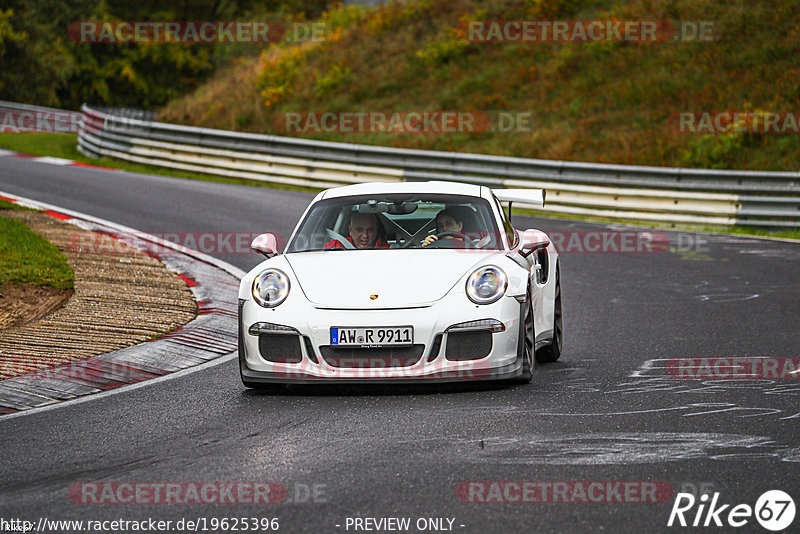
[
  {"x": 128, "y": 113},
  {"x": 625, "y": 192},
  {"x": 16, "y": 106},
  {"x": 26, "y": 118}
]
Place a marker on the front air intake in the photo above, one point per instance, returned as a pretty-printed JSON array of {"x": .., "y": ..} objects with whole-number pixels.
[
  {"x": 280, "y": 348},
  {"x": 468, "y": 345}
]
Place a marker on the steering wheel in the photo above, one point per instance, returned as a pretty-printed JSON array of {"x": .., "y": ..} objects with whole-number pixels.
[{"x": 456, "y": 235}]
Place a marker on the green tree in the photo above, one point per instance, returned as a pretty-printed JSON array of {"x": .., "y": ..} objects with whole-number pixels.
[{"x": 41, "y": 64}]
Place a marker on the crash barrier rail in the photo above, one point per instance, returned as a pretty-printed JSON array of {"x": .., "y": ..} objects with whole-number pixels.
[
  {"x": 128, "y": 113},
  {"x": 15, "y": 106},
  {"x": 131, "y": 113},
  {"x": 625, "y": 192}
]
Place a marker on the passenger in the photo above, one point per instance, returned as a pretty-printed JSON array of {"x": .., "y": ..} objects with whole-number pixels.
[
  {"x": 448, "y": 220},
  {"x": 363, "y": 233}
]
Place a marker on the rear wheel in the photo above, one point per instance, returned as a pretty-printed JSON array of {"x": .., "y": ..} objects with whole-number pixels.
[
  {"x": 526, "y": 343},
  {"x": 552, "y": 352}
]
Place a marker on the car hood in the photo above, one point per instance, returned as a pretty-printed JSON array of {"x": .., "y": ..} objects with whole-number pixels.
[{"x": 399, "y": 278}]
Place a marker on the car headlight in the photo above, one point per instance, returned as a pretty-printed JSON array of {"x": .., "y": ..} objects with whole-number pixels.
[
  {"x": 486, "y": 285},
  {"x": 270, "y": 288}
]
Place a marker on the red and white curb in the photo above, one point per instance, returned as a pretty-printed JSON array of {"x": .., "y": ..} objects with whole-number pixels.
[
  {"x": 49, "y": 160},
  {"x": 208, "y": 339}
]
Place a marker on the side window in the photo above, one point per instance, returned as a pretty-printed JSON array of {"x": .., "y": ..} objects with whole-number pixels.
[{"x": 509, "y": 230}]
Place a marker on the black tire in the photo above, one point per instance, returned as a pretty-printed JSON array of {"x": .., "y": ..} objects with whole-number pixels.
[
  {"x": 527, "y": 338},
  {"x": 552, "y": 352}
]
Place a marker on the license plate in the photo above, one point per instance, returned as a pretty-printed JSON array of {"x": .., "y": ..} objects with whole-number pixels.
[{"x": 376, "y": 336}]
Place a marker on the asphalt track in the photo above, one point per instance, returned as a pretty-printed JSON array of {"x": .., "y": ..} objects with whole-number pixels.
[{"x": 403, "y": 451}]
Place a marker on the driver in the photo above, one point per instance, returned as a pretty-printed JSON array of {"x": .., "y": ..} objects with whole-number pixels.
[
  {"x": 363, "y": 233},
  {"x": 447, "y": 220}
]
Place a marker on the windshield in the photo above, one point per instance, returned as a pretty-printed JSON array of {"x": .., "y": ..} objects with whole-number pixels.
[{"x": 398, "y": 221}]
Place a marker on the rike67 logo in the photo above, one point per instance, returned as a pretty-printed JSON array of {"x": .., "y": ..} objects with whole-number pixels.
[{"x": 774, "y": 510}]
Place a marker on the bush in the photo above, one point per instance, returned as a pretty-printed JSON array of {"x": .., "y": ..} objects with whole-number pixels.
[{"x": 337, "y": 76}]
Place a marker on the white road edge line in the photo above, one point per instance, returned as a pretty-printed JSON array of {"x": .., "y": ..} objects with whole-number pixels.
[
  {"x": 121, "y": 389},
  {"x": 225, "y": 266}
]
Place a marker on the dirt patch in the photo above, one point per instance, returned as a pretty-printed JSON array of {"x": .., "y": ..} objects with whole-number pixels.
[
  {"x": 23, "y": 303},
  {"x": 121, "y": 299}
]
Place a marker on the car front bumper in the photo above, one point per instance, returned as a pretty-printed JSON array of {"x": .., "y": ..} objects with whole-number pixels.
[{"x": 439, "y": 354}]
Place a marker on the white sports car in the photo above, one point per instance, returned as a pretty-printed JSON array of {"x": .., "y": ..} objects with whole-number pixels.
[{"x": 424, "y": 281}]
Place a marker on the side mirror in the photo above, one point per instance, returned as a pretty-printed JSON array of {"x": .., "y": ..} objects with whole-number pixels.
[
  {"x": 266, "y": 244},
  {"x": 532, "y": 241}
]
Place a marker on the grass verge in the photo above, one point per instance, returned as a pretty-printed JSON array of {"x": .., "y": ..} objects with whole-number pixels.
[{"x": 28, "y": 258}]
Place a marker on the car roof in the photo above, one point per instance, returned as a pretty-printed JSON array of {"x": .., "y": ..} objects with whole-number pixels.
[{"x": 378, "y": 188}]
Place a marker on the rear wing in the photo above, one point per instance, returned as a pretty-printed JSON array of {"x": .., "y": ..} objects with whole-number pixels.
[{"x": 526, "y": 196}]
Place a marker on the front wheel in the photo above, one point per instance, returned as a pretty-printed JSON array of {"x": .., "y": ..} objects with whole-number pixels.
[
  {"x": 552, "y": 352},
  {"x": 525, "y": 346}
]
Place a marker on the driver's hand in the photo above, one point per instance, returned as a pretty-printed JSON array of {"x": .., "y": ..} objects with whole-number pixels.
[{"x": 428, "y": 240}]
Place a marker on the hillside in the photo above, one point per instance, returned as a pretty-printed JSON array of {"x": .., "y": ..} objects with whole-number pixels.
[{"x": 591, "y": 101}]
